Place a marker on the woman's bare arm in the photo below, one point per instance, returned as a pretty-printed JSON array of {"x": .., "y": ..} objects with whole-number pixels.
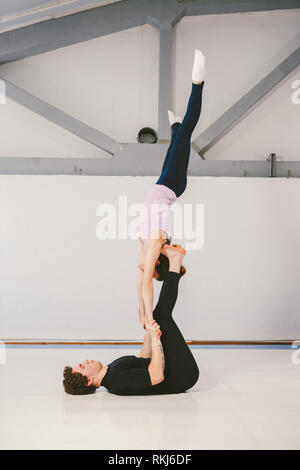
[
  {"x": 153, "y": 248},
  {"x": 139, "y": 283},
  {"x": 139, "y": 289}
]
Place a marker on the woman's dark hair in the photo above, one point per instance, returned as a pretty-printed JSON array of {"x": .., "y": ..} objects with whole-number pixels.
[
  {"x": 75, "y": 383},
  {"x": 162, "y": 268}
]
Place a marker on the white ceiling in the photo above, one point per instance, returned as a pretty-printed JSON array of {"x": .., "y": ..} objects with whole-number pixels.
[{"x": 18, "y": 13}]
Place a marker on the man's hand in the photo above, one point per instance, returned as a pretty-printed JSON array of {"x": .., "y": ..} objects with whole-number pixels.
[{"x": 154, "y": 329}]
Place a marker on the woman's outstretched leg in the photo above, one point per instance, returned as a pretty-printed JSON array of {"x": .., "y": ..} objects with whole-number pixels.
[
  {"x": 174, "y": 130},
  {"x": 174, "y": 174}
]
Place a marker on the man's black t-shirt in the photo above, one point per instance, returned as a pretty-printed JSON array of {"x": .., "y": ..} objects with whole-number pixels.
[{"x": 129, "y": 375}]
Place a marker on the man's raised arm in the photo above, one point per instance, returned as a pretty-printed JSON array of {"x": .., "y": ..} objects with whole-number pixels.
[
  {"x": 146, "y": 351},
  {"x": 157, "y": 365}
]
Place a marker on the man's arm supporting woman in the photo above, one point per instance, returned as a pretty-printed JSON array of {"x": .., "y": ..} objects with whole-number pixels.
[
  {"x": 146, "y": 351},
  {"x": 152, "y": 348}
]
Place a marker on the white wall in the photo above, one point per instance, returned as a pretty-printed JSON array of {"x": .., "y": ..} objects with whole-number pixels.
[
  {"x": 241, "y": 50},
  {"x": 58, "y": 280}
]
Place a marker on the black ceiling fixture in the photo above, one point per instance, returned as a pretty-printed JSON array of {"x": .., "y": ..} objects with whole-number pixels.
[{"x": 147, "y": 135}]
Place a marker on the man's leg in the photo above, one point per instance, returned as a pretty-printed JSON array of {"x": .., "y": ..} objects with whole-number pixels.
[{"x": 181, "y": 370}]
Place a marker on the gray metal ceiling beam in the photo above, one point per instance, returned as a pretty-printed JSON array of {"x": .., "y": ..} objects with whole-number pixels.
[
  {"x": 165, "y": 79},
  {"x": 207, "y": 7},
  {"x": 60, "y": 118},
  {"x": 225, "y": 122},
  {"x": 134, "y": 160},
  {"x": 60, "y": 32},
  {"x": 78, "y": 27},
  {"x": 13, "y": 16}
]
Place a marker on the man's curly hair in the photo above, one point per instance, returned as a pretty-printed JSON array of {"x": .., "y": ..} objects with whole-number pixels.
[
  {"x": 162, "y": 268},
  {"x": 75, "y": 383}
]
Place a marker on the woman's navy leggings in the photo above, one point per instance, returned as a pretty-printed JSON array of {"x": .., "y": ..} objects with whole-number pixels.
[
  {"x": 181, "y": 370},
  {"x": 174, "y": 170}
]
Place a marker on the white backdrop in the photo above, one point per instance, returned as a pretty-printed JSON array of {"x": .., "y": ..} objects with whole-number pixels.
[{"x": 58, "y": 280}]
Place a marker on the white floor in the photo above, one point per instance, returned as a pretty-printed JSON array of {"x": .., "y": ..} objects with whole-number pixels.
[{"x": 244, "y": 399}]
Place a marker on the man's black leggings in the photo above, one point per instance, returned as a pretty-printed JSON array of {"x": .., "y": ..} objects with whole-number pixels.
[{"x": 181, "y": 370}]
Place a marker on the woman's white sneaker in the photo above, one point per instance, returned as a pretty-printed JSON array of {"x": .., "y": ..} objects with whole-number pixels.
[
  {"x": 173, "y": 118},
  {"x": 199, "y": 69}
]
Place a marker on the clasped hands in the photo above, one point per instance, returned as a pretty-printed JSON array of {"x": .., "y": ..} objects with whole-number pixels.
[{"x": 150, "y": 325}]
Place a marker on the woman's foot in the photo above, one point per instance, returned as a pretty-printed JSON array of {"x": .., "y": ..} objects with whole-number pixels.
[
  {"x": 199, "y": 69},
  {"x": 173, "y": 118},
  {"x": 174, "y": 252}
]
